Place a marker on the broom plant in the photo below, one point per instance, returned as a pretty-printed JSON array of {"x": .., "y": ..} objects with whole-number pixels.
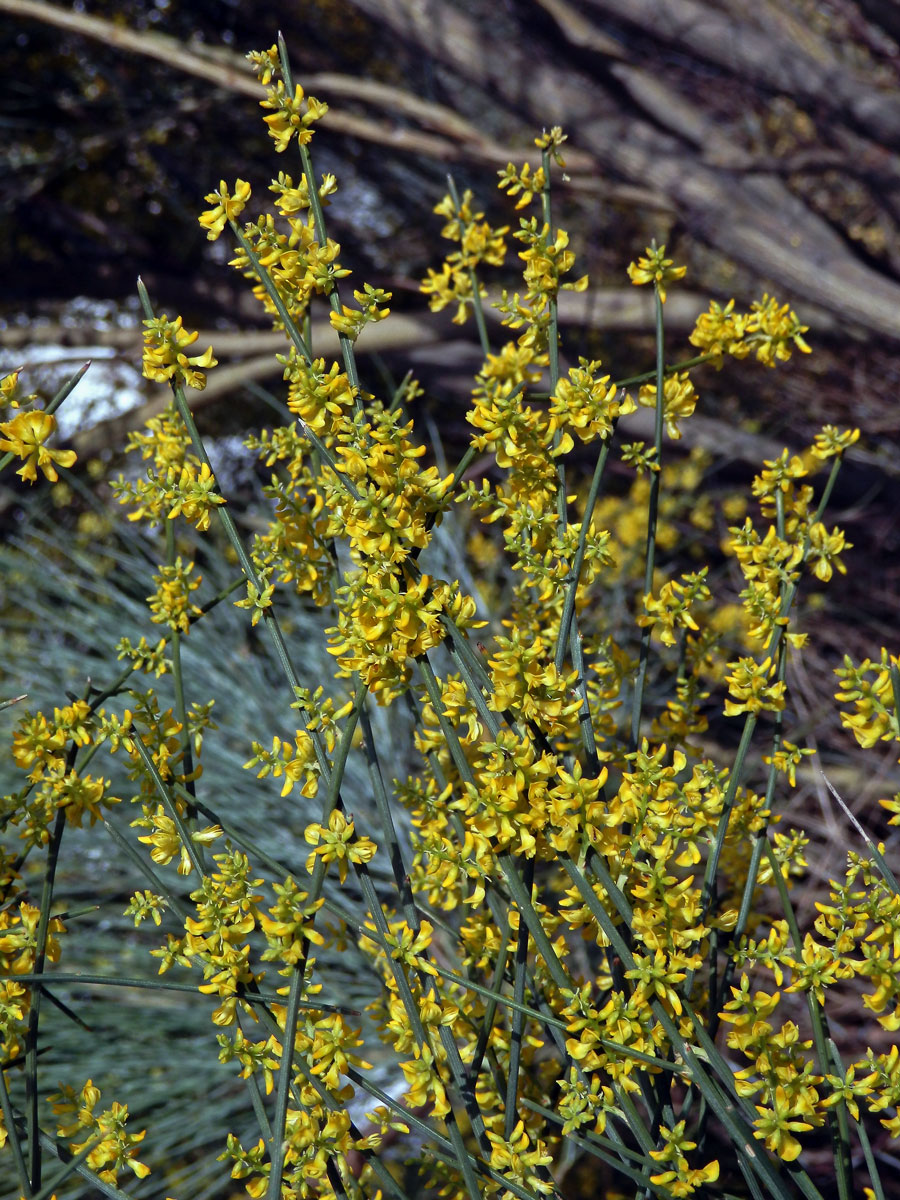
[{"x": 569, "y": 925}]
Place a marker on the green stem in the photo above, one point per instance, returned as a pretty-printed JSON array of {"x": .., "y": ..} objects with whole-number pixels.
[
  {"x": 14, "y": 1137},
  {"x": 840, "y": 1132},
  {"x": 652, "y": 522},
  {"x": 178, "y": 677},
  {"x": 648, "y": 376},
  {"x": 315, "y": 204},
  {"x": 31, "y": 1040},
  {"x": 568, "y": 613},
  {"x": 169, "y": 804},
  {"x": 285, "y": 1076},
  {"x": 518, "y": 1020}
]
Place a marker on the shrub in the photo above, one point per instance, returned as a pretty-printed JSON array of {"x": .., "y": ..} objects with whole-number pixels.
[{"x": 577, "y": 922}]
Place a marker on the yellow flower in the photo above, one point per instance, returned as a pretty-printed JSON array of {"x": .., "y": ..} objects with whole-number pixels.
[
  {"x": 825, "y": 549},
  {"x": 787, "y": 760},
  {"x": 523, "y": 180},
  {"x": 870, "y": 687},
  {"x": 25, "y": 436},
  {"x": 776, "y": 1126},
  {"x": 655, "y": 268},
  {"x": 425, "y": 1084},
  {"x": 171, "y": 602},
  {"x": 588, "y": 403},
  {"x": 288, "y": 117},
  {"x": 351, "y": 322},
  {"x": 751, "y": 690},
  {"x": 258, "y": 599},
  {"x": 166, "y": 840},
  {"x": 227, "y": 207},
  {"x": 112, "y": 1146},
  {"x": 293, "y": 762},
  {"x": 331, "y": 1052},
  {"x": 846, "y": 1089},
  {"x": 655, "y": 978},
  {"x": 519, "y": 1161},
  {"x": 672, "y": 609},
  {"x": 680, "y": 1180},
  {"x": 165, "y": 342},
  {"x": 265, "y": 64},
  {"x": 337, "y": 842},
  {"x": 679, "y": 401},
  {"x": 8, "y": 385},
  {"x": 772, "y": 328},
  {"x": 833, "y": 441},
  {"x": 721, "y": 331}
]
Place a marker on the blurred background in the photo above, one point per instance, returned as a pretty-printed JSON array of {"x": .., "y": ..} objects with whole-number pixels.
[{"x": 760, "y": 141}]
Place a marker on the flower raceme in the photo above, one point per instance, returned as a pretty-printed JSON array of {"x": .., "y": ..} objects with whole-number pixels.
[
  {"x": 653, "y": 267},
  {"x": 227, "y": 207},
  {"x": 112, "y": 1148},
  {"x": 478, "y": 243},
  {"x": 165, "y": 343},
  {"x": 553, "y": 943},
  {"x": 292, "y": 115}
]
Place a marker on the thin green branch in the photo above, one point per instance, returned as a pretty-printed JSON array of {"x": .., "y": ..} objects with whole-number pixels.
[{"x": 652, "y": 523}]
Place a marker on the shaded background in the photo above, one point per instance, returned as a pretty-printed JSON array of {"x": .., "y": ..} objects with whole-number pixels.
[{"x": 760, "y": 140}]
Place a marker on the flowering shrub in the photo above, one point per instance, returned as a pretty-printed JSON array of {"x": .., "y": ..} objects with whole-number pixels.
[{"x": 590, "y": 947}]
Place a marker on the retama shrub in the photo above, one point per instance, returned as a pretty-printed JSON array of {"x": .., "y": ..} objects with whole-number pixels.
[{"x": 582, "y": 939}]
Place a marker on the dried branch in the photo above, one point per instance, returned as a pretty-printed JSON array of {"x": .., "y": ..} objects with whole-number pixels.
[{"x": 760, "y": 223}]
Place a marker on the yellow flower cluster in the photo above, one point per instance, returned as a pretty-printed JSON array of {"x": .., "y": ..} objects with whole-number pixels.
[
  {"x": 350, "y": 322},
  {"x": 547, "y": 259},
  {"x": 390, "y": 513},
  {"x": 298, "y": 266},
  {"x": 165, "y": 343},
  {"x": 112, "y": 1146},
  {"x": 575, "y": 919},
  {"x": 769, "y": 330},
  {"x": 478, "y": 242},
  {"x": 679, "y": 1178},
  {"x": 384, "y": 621},
  {"x": 227, "y": 207},
  {"x": 586, "y": 404},
  {"x": 854, "y": 937},
  {"x": 751, "y": 690},
  {"x": 166, "y": 840},
  {"x": 171, "y": 603},
  {"x": 295, "y": 762},
  {"x": 171, "y": 490},
  {"x": 145, "y": 657},
  {"x": 679, "y": 401},
  {"x": 44, "y": 749},
  {"x": 524, "y": 681},
  {"x": 293, "y": 115},
  {"x": 19, "y": 951},
  {"x": 335, "y": 842},
  {"x": 653, "y": 267},
  {"x": 672, "y": 609},
  {"x": 872, "y": 688}
]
